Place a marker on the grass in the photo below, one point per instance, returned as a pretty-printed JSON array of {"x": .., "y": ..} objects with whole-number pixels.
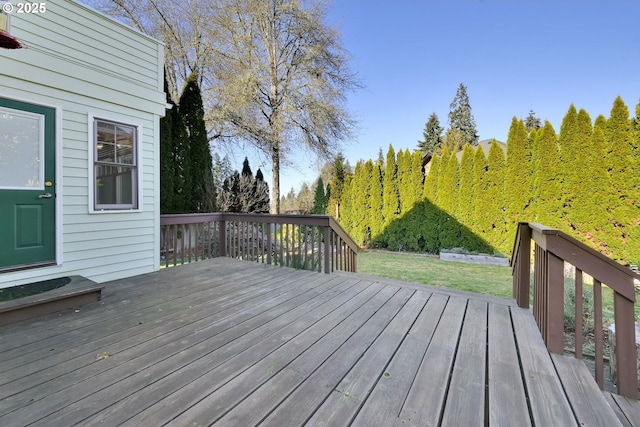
[{"x": 484, "y": 279}]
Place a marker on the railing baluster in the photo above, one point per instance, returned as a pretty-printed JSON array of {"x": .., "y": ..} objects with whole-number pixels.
[
  {"x": 597, "y": 326},
  {"x": 578, "y": 314}
]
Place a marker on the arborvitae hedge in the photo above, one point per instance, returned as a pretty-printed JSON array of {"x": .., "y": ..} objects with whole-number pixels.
[
  {"x": 391, "y": 195},
  {"x": 376, "y": 220},
  {"x": 495, "y": 202},
  {"x": 517, "y": 191},
  {"x": 546, "y": 186},
  {"x": 583, "y": 181}
]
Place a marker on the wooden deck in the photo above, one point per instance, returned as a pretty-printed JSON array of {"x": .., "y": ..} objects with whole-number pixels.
[{"x": 233, "y": 343}]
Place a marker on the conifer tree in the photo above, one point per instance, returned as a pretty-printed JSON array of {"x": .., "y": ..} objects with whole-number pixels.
[
  {"x": 376, "y": 220},
  {"x": 448, "y": 190},
  {"x": 430, "y": 227},
  {"x": 337, "y": 184},
  {"x": 430, "y": 190},
  {"x": 417, "y": 177},
  {"x": 431, "y": 136},
  {"x": 518, "y": 179},
  {"x": 568, "y": 146},
  {"x": 466, "y": 201},
  {"x": 391, "y": 196},
  {"x": 622, "y": 160},
  {"x": 320, "y": 198},
  {"x": 461, "y": 118},
  {"x": 405, "y": 188},
  {"x": 480, "y": 222},
  {"x": 532, "y": 122},
  {"x": 495, "y": 203},
  {"x": 203, "y": 197},
  {"x": 592, "y": 219},
  {"x": 167, "y": 173},
  {"x": 182, "y": 165},
  {"x": 346, "y": 204},
  {"x": 546, "y": 186},
  {"x": 441, "y": 193},
  {"x": 465, "y": 190},
  {"x": 575, "y": 184},
  {"x": 361, "y": 193}
]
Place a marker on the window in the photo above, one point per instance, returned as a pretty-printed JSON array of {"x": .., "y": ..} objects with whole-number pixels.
[{"x": 115, "y": 165}]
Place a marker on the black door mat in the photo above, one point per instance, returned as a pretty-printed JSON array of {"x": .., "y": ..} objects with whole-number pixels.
[{"x": 21, "y": 291}]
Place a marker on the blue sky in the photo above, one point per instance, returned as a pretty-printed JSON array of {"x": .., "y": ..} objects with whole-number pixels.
[{"x": 513, "y": 56}]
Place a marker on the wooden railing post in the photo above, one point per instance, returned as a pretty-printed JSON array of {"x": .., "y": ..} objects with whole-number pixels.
[
  {"x": 222, "y": 233},
  {"x": 521, "y": 276},
  {"x": 626, "y": 357},
  {"x": 270, "y": 229},
  {"x": 327, "y": 250},
  {"x": 555, "y": 303}
]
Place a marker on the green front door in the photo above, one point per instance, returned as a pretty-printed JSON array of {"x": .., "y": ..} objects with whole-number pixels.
[{"x": 27, "y": 185}]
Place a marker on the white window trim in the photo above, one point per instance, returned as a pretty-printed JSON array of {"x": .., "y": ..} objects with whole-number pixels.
[{"x": 139, "y": 166}]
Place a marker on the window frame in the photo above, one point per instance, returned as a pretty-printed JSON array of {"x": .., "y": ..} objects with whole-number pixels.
[{"x": 136, "y": 187}]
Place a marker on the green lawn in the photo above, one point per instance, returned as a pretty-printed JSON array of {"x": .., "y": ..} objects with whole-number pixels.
[{"x": 484, "y": 279}]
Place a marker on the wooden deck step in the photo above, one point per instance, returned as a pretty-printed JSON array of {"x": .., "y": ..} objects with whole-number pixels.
[
  {"x": 589, "y": 405},
  {"x": 627, "y": 410},
  {"x": 78, "y": 292}
]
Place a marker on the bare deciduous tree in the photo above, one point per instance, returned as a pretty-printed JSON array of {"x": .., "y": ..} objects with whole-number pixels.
[{"x": 272, "y": 71}]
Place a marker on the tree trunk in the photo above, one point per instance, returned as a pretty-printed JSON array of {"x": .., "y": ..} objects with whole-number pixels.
[{"x": 275, "y": 184}]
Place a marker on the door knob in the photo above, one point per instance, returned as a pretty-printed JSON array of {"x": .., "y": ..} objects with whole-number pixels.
[{"x": 45, "y": 196}]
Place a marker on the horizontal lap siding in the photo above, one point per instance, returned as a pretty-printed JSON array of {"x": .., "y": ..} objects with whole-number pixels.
[{"x": 87, "y": 64}]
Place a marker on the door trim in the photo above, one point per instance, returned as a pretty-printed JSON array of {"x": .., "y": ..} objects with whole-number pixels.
[{"x": 59, "y": 188}]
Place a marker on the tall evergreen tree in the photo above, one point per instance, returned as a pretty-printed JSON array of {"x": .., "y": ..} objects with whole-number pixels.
[
  {"x": 495, "y": 207},
  {"x": 448, "y": 202},
  {"x": 417, "y": 177},
  {"x": 480, "y": 219},
  {"x": 465, "y": 190},
  {"x": 431, "y": 136},
  {"x": 203, "y": 197},
  {"x": 337, "y": 184},
  {"x": 518, "y": 176},
  {"x": 569, "y": 150},
  {"x": 592, "y": 216},
  {"x": 466, "y": 201},
  {"x": 405, "y": 182},
  {"x": 182, "y": 165},
  {"x": 346, "y": 204},
  {"x": 430, "y": 190},
  {"x": 376, "y": 220},
  {"x": 167, "y": 172},
  {"x": 361, "y": 193},
  {"x": 454, "y": 140},
  {"x": 320, "y": 199},
  {"x": 441, "y": 192},
  {"x": 574, "y": 185},
  {"x": 461, "y": 118},
  {"x": 430, "y": 230},
  {"x": 546, "y": 187},
  {"x": 623, "y": 164},
  {"x": 532, "y": 122},
  {"x": 391, "y": 195}
]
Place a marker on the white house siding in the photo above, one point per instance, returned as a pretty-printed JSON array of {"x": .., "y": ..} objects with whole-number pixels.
[{"x": 85, "y": 65}]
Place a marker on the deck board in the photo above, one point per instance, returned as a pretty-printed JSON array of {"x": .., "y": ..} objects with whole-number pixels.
[{"x": 234, "y": 343}]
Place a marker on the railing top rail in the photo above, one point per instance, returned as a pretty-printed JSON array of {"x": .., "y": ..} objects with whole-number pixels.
[
  {"x": 317, "y": 220},
  {"x": 191, "y": 218},
  {"x": 343, "y": 235},
  {"x": 584, "y": 257}
]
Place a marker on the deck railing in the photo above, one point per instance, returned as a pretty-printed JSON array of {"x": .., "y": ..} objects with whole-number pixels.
[
  {"x": 552, "y": 250},
  {"x": 310, "y": 242}
]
